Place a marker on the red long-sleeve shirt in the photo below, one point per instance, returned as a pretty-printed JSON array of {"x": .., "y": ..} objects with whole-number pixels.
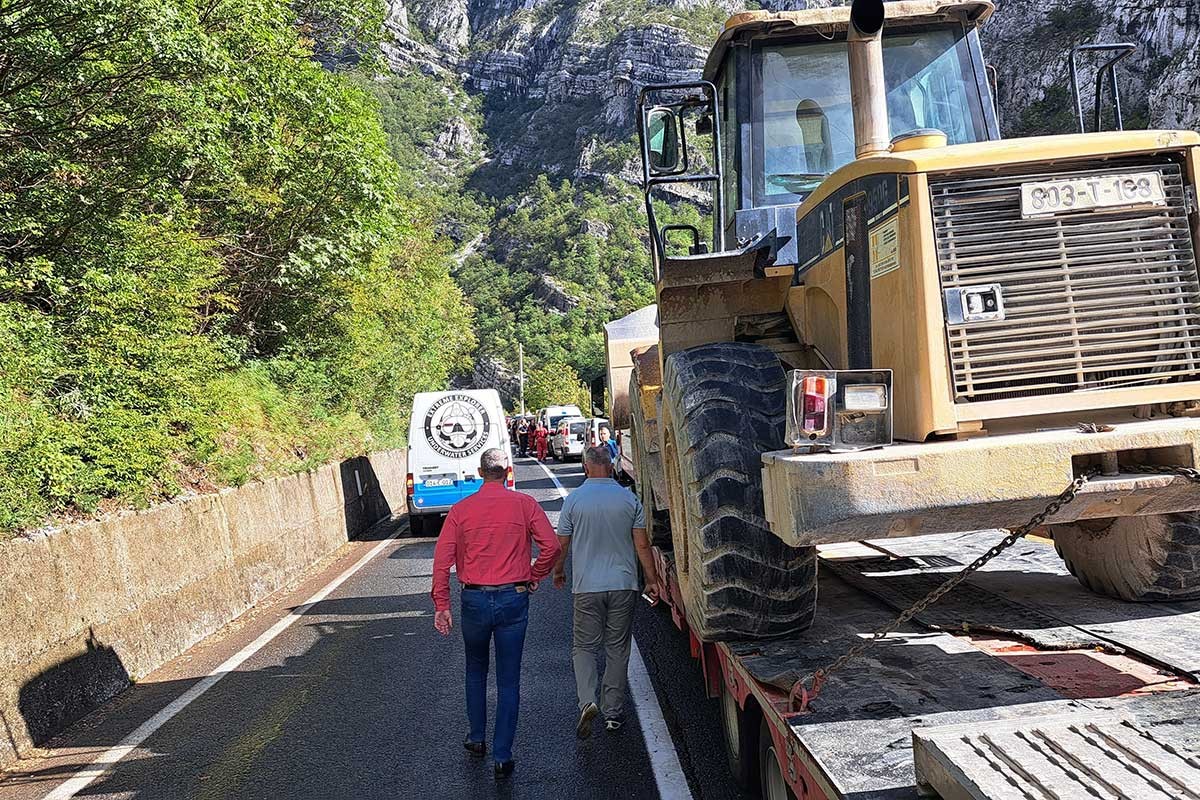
[{"x": 487, "y": 538}]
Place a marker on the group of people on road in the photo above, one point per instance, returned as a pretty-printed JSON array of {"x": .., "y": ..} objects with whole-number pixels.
[
  {"x": 488, "y": 539},
  {"x": 530, "y": 435}
]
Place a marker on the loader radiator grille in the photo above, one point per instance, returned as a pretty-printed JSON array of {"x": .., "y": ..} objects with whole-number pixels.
[{"x": 1092, "y": 300}]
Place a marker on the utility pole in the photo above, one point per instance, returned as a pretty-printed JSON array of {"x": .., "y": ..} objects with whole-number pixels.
[{"x": 521, "y": 373}]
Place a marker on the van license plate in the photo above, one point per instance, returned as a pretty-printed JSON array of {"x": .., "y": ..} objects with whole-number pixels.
[
  {"x": 435, "y": 482},
  {"x": 1046, "y": 198}
]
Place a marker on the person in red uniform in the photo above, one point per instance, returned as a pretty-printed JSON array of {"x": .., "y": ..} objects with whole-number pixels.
[
  {"x": 486, "y": 537},
  {"x": 541, "y": 438}
]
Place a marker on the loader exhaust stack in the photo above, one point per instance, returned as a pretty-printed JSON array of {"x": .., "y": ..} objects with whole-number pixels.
[{"x": 868, "y": 92}]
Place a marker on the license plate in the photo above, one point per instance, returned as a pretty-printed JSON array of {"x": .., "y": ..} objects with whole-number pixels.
[
  {"x": 435, "y": 482},
  {"x": 1045, "y": 198}
]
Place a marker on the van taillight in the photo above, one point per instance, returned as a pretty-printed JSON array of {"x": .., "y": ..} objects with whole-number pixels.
[
  {"x": 409, "y": 485},
  {"x": 508, "y": 479}
]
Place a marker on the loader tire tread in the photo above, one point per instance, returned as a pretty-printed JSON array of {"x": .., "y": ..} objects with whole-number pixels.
[
  {"x": 727, "y": 403},
  {"x": 1141, "y": 559}
]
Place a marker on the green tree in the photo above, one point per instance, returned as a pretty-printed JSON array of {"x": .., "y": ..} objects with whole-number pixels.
[
  {"x": 590, "y": 240},
  {"x": 209, "y": 266},
  {"x": 556, "y": 385}
]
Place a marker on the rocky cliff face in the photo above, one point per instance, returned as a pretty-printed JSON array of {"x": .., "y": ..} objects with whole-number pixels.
[
  {"x": 555, "y": 73},
  {"x": 1029, "y": 42}
]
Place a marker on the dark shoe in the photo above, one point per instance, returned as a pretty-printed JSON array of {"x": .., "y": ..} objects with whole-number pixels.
[
  {"x": 505, "y": 768},
  {"x": 584, "y": 729},
  {"x": 477, "y": 749},
  {"x": 612, "y": 724}
]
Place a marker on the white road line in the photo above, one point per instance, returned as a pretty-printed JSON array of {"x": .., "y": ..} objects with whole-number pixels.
[
  {"x": 554, "y": 479},
  {"x": 668, "y": 773},
  {"x": 109, "y": 758},
  {"x": 664, "y": 761}
]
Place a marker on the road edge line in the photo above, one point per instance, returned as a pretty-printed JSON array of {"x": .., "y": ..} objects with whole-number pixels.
[
  {"x": 553, "y": 479},
  {"x": 664, "y": 759},
  {"x": 111, "y": 757},
  {"x": 669, "y": 776}
]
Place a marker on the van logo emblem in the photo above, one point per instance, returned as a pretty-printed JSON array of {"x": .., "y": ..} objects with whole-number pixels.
[{"x": 457, "y": 426}]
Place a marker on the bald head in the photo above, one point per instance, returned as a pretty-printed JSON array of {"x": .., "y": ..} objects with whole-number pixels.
[
  {"x": 493, "y": 464},
  {"x": 597, "y": 463}
]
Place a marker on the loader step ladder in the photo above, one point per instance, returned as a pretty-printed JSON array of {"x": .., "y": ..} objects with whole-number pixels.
[{"x": 1071, "y": 756}]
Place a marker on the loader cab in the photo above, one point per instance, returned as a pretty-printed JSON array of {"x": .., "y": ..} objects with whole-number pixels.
[{"x": 774, "y": 116}]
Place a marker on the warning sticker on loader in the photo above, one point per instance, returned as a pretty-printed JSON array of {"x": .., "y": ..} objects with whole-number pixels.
[{"x": 885, "y": 247}]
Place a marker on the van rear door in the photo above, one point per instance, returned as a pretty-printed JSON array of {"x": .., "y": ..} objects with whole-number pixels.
[
  {"x": 440, "y": 489},
  {"x": 469, "y": 481},
  {"x": 448, "y": 432}
]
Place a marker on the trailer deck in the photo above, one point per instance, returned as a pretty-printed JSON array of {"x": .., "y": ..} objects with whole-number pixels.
[{"x": 1021, "y": 643}]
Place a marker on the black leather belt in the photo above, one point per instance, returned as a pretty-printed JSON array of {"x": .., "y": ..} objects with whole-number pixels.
[{"x": 501, "y": 587}]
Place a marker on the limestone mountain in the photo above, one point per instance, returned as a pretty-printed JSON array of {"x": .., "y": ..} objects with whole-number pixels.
[{"x": 1029, "y": 41}]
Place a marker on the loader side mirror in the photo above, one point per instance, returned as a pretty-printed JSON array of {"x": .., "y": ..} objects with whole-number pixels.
[{"x": 662, "y": 133}]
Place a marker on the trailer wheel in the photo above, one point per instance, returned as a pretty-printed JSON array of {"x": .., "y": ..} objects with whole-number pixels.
[
  {"x": 723, "y": 406},
  {"x": 1145, "y": 558},
  {"x": 741, "y": 743},
  {"x": 774, "y": 787}
]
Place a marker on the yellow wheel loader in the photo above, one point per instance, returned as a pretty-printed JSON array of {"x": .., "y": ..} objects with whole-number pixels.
[{"x": 901, "y": 323}]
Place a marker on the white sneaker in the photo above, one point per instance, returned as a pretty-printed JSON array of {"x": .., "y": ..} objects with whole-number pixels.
[{"x": 584, "y": 729}]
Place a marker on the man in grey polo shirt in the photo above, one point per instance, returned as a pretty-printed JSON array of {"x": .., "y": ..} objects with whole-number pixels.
[{"x": 605, "y": 526}]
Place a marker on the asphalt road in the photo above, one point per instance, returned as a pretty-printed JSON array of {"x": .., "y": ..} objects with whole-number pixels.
[{"x": 360, "y": 698}]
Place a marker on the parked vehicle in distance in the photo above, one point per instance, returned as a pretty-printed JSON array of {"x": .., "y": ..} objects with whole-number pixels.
[
  {"x": 552, "y": 415},
  {"x": 446, "y": 434},
  {"x": 569, "y": 439}
]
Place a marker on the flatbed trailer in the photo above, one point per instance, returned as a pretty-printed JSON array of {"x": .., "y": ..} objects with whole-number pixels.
[{"x": 1018, "y": 684}]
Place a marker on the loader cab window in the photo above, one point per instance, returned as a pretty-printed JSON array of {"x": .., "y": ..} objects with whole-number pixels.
[
  {"x": 807, "y": 125},
  {"x": 931, "y": 85}
]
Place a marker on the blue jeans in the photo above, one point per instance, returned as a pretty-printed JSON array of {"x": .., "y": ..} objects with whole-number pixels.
[{"x": 504, "y": 616}]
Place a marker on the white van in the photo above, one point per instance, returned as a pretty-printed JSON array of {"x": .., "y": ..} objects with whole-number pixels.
[
  {"x": 552, "y": 415},
  {"x": 447, "y": 433}
]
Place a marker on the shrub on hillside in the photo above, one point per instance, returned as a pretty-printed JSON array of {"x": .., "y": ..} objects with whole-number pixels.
[{"x": 207, "y": 268}]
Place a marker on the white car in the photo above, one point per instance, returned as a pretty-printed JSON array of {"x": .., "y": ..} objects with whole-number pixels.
[{"x": 570, "y": 438}]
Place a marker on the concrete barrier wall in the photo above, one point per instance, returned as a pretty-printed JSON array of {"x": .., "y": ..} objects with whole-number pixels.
[{"x": 85, "y": 608}]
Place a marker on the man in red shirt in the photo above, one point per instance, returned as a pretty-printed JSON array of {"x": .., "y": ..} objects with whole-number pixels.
[{"x": 486, "y": 538}]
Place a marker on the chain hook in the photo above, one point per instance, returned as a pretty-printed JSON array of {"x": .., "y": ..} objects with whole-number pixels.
[{"x": 801, "y": 696}]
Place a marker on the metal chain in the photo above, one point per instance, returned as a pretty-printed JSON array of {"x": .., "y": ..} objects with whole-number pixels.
[
  {"x": 806, "y": 689},
  {"x": 1191, "y": 473}
]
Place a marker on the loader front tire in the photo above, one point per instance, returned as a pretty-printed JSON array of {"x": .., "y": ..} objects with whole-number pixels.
[
  {"x": 1148, "y": 558},
  {"x": 723, "y": 406}
]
